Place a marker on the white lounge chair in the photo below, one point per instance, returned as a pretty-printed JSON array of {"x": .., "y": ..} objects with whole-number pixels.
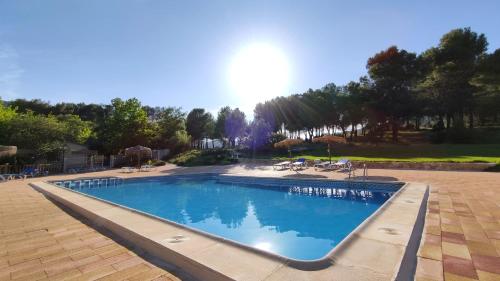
[
  {"x": 341, "y": 164},
  {"x": 128, "y": 169},
  {"x": 299, "y": 164},
  {"x": 318, "y": 164},
  {"x": 146, "y": 168},
  {"x": 282, "y": 165}
]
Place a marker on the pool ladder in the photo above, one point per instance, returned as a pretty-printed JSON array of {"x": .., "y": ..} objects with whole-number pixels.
[{"x": 352, "y": 172}]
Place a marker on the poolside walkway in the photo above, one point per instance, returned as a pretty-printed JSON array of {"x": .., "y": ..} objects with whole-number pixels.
[{"x": 40, "y": 241}]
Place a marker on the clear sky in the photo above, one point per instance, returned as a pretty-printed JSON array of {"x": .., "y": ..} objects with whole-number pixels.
[{"x": 182, "y": 53}]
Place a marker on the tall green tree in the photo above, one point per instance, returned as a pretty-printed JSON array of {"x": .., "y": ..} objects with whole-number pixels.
[
  {"x": 126, "y": 126},
  {"x": 394, "y": 73},
  {"x": 220, "y": 124},
  {"x": 454, "y": 63},
  {"x": 487, "y": 81},
  {"x": 171, "y": 120},
  {"x": 198, "y": 124},
  {"x": 235, "y": 125}
]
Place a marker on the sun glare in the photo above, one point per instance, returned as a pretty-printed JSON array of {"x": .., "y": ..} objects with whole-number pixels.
[{"x": 257, "y": 73}]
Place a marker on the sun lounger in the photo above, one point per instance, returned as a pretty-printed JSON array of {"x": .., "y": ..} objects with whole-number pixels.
[
  {"x": 341, "y": 164},
  {"x": 321, "y": 164},
  {"x": 299, "y": 164},
  {"x": 282, "y": 165},
  {"x": 14, "y": 176},
  {"x": 146, "y": 168},
  {"x": 128, "y": 169}
]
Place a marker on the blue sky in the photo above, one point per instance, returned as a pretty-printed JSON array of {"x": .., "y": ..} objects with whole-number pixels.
[{"x": 177, "y": 53}]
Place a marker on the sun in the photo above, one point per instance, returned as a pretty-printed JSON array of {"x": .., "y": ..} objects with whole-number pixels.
[{"x": 258, "y": 73}]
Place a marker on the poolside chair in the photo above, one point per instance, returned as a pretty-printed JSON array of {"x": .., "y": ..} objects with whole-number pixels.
[
  {"x": 146, "y": 168},
  {"x": 282, "y": 165},
  {"x": 29, "y": 171},
  {"x": 128, "y": 169},
  {"x": 318, "y": 164},
  {"x": 299, "y": 164},
  {"x": 7, "y": 177},
  {"x": 341, "y": 164}
]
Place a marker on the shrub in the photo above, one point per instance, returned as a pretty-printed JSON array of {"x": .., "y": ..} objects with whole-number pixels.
[
  {"x": 158, "y": 163},
  {"x": 204, "y": 157}
]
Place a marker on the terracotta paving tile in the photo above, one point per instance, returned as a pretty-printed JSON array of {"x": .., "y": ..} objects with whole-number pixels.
[
  {"x": 458, "y": 266},
  {"x": 481, "y": 248},
  {"x": 453, "y": 237},
  {"x": 39, "y": 241},
  {"x": 162, "y": 278},
  {"x": 114, "y": 252},
  {"x": 95, "y": 274},
  {"x": 59, "y": 266},
  {"x": 82, "y": 253},
  {"x": 429, "y": 269},
  {"x": 487, "y": 263},
  {"x": 487, "y": 276},
  {"x": 430, "y": 251},
  {"x": 493, "y": 234},
  {"x": 128, "y": 263},
  {"x": 30, "y": 271},
  {"x": 105, "y": 262},
  {"x": 453, "y": 277},
  {"x": 432, "y": 239},
  {"x": 456, "y": 250},
  {"x": 33, "y": 276},
  {"x": 151, "y": 274},
  {"x": 451, "y": 228},
  {"x": 126, "y": 273},
  {"x": 434, "y": 230},
  {"x": 65, "y": 275}
]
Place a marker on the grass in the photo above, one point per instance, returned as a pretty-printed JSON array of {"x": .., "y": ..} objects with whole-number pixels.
[{"x": 489, "y": 153}]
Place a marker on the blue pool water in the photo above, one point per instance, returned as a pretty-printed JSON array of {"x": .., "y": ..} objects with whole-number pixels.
[{"x": 297, "y": 219}]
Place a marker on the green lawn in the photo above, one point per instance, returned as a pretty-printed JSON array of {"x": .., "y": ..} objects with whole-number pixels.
[{"x": 390, "y": 152}]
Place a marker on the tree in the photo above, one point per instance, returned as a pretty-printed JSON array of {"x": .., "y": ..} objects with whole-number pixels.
[
  {"x": 235, "y": 125},
  {"x": 170, "y": 120},
  {"x": 7, "y": 114},
  {"x": 179, "y": 142},
  {"x": 37, "y": 134},
  {"x": 454, "y": 64},
  {"x": 220, "y": 124},
  {"x": 126, "y": 126},
  {"x": 36, "y": 105},
  {"x": 260, "y": 134},
  {"x": 487, "y": 81},
  {"x": 198, "y": 124},
  {"x": 394, "y": 73},
  {"x": 75, "y": 130}
]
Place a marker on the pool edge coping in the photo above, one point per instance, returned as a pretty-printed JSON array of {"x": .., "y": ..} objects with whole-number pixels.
[{"x": 306, "y": 265}]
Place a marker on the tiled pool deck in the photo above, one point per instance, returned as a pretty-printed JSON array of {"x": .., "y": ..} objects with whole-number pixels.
[{"x": 39, "y": 241}]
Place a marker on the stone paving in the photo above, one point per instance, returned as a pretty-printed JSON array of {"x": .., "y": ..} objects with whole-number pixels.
[
  {"x": 39, "y": 241},
  {"x": 461, "y": 240}
]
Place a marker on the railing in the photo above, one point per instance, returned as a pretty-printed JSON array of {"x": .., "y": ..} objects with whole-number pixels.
[{"x": 352, "y": 171}]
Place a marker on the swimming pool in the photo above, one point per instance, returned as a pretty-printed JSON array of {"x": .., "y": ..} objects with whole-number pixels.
[{"x": 298, "y": 219}]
